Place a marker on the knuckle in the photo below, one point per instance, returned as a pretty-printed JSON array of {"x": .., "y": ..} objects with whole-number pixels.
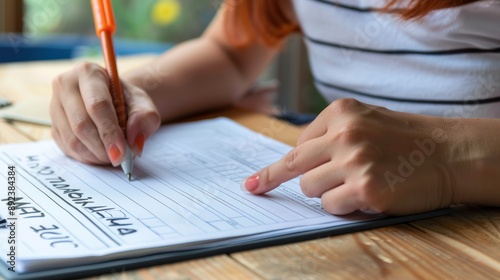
[
  {"x": 107, "y": 133},
  {"x": 57, "y": 83},
  {"x": 265, "y": 177},
  {"x": 290, "y": 160},
  {"x": 153, "y": 116},
  {"x": 354, "y": 131},
  {"x": 87, "y": 67},
  {"x": 81, "y": 126},
  {"x": 350, "y": 135},
  {"x": 349, "y": 102},
  {"x": 364, "y": 192},
  {"x": 98, "y": 105},
  {"x": 370, "y": 182},
  {"x": 344, "y": 105},
  {"x": 92, "y": 70},
  {"x": 364, "y": 155},
  {"x": 74, "y": 144},
  {"x": 369, "y": 194}
]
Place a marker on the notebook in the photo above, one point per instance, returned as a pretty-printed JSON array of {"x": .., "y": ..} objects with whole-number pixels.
[
  {"x": 34, "y": 110},
  {"x": 72, "y": 219}
]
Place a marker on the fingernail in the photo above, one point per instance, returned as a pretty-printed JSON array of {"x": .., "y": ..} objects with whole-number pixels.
[
  {"x": 242, "y": 186},
  {"x": 114, "y": 154},
  {"x": 250, "y": 184},
  {"x": 139, "y": 144}
]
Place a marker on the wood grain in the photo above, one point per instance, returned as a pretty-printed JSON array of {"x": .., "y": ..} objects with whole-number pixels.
[
  {"x": 462, "y": 245},
  {"x": 218, "y": 267},
  {"x": 9, "y": 135}
]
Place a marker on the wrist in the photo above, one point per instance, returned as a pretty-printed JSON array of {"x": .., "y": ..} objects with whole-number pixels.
[{"x": 473, "y": 160}]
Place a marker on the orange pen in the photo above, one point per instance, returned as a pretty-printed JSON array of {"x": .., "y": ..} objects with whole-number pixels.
[{"x": 105, "y": 26}]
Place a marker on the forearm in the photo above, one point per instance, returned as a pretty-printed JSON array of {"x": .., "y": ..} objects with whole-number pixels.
[
  {"x": 195, "y": 76},
  {"x": 475, "y": 153},
  {"x": 202, "y": 74}
]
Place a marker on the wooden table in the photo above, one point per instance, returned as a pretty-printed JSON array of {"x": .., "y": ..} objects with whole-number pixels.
[{"x": 462, "y": 245}]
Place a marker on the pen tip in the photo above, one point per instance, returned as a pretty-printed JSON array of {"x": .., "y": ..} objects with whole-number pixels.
[{"x": 129, "y": 176}]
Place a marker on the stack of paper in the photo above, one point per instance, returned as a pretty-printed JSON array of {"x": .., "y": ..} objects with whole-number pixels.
[{"x": 185, "y": 196}]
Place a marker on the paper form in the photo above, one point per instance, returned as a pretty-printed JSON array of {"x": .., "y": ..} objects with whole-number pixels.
[{"x": 185, "y": 195}]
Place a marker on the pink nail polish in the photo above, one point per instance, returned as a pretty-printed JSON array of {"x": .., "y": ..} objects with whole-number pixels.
[
  {"x": 114, "y": 154},
  {"x": 252, "y": 183},
  {"x": 139, "y": 144}
]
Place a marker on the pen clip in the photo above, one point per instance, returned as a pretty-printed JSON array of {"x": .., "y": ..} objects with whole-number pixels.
[{"x": 103, "y": 16}]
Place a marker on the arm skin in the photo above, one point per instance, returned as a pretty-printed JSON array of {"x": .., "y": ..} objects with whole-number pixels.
[
  {"x": 476, "y": 147},
  {"x": 199, "y": 75}
]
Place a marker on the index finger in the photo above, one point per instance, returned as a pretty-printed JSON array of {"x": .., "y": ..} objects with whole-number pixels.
[
  {"x": 299, "y": 160},
  {"x": 94, "y": 87}
]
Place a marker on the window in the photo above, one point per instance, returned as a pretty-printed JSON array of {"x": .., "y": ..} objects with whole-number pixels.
[
  {"x": 169, "y": 21},
  {"x": 11, "y": 15},
  {"x": 1, "y": 13},
  {"x": 62, "y": 29}
]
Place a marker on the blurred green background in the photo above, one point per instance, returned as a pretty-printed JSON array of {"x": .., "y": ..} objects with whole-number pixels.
[{"x": 147, "y": 20}]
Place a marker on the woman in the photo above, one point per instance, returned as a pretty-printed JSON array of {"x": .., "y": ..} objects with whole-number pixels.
[{"x": 435, "y": 66}]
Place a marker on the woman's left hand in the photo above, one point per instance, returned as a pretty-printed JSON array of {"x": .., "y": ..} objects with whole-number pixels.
[{"x": 356, "y": 156}]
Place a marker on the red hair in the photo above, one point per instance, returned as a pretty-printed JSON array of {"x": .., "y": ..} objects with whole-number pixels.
[
  {"x": 262, "y": 20},
  {"x": 265, "y": 20},
  {"x": 419, "y": 8}
]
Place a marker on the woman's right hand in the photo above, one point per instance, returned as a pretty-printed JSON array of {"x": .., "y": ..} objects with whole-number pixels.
[{"x": 84, "y": 121}]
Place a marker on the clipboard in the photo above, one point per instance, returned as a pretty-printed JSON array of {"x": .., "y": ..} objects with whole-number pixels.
[{"x": 120, "y": 265}]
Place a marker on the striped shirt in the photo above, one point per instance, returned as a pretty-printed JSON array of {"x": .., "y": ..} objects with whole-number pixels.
[{"x": 446, "y": 64}]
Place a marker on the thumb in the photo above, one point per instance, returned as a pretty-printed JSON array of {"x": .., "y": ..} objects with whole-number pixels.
[{"x": 143, "y": 117}]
